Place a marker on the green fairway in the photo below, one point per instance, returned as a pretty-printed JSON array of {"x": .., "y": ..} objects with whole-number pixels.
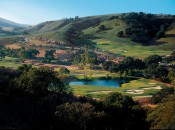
[
  {"x": 129, "y": 48},
  {"x": 94, "y": 91},
  {"x": 10, "y": 62},
  {"x": 148, "y": 87}
]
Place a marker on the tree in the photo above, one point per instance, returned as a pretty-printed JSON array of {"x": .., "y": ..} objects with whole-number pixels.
[
  {"x": 77, "y": 60},
  {"x": 173, "y": 54},
  {"x": 24, "y": 68},
  {"x": 128, "y": 31},
  {"x": 139, "y": 64},
  {"x": 163, "y": 116},
  {"x": 123, "y": 110},
  {"x": 127, "y": 64},
  {"x": 107, "y": 65},
  {"x": 152, "y": 59},
  {"x": 156, "y": 72},
  {"x": 160, "y": 34},
  {"x": 64, "y": 70},
  {"x": 162, "y": 94},
  {"x": 74, "y": 115},
  {"x": 73, "y": 34},
  {"x": 120, "y": 34},
  {"x": 38, "y": 81},
  {"x": 161, "y": 74},
  {"x": 2, "y": 54},
  {"x": 102, "y": 27},
  {"x": 150, "y": 71},
  {"x": 49, "y": 55},
  {"x": 171, "y": 76},
  {"x": 28, "y": 54}
]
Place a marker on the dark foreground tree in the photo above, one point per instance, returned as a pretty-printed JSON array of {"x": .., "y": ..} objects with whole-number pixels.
[
  {"x": 123, "y": 113},
  {"x": 120, "y": 34},
  {"x": 38, "y": 81},
  {"x": 76, "y": 116},
  {"x": 163, "y": 116}
]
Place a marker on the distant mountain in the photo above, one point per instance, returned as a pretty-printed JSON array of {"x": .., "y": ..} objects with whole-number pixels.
[
  {"x": 7, "y": 23},
  {"x": 9, "y": 28}
]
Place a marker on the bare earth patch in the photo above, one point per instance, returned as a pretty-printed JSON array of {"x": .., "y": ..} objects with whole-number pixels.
[{"x": 13, "y": 46}]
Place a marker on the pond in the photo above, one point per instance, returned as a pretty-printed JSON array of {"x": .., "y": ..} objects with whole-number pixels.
[{"x": 100, "y": 82}]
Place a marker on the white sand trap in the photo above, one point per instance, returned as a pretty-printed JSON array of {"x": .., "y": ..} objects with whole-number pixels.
[
  {"x": 142, "y": 96},
  {"x": 130, "y": 91},
  {"x": 151, "y": 83},
  {"x": 158, "y": 87},
  {"x": 105, "y": 91},
  {"x": 148, "y": 88},
  {"x": 134, "y": 92},
  {"x": 101, "y": 92},
  {"x": 94, "y": 92}
]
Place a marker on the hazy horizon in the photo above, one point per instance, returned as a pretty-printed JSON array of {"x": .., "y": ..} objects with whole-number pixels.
[{"x": 33, "y": 12}]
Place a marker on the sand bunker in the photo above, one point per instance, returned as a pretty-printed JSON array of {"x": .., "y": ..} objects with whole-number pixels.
[
  {"x": 151, "y": 83},
  {"x": 142, "y": 96},
  {"x": 104, "y": 91},
  {"x": 148, "y": 88},
  {"x": 141, "y": 91},
  {"x": 134, "y": 91}
]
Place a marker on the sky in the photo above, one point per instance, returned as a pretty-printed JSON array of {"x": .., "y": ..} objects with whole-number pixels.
[{"x": 36, "y": 11}]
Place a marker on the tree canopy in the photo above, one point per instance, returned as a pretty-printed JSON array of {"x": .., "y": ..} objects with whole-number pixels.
[{"x": 38, "y": 81}]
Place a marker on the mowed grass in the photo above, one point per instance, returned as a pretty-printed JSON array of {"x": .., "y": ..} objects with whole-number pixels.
[
  {"x": 84, "y": 90},
  {"x": 89, "y": 73},
  {"x": 101, "y": 92},
  {"x": 109, "y": 41},
  {"x": 139, "y": 84},
  {"x": 131, "y": 49},
  {"x": 10, "y": 62}
]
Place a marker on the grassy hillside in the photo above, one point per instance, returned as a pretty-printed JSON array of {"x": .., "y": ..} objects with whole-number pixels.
[
  {"x": 9, "y": 28},
  {"x": 107, "y": 39},
  {"x": 7, "y": 23}
]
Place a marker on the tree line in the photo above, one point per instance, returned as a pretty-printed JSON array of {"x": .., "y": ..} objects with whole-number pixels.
[{"x": 150, "y": 67}]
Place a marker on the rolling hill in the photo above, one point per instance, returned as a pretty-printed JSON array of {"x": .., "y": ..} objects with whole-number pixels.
[
  {"x": 145, "y": 27},
  {"x": 102, "y": 32},
  {"x": 9, "y": 28}
]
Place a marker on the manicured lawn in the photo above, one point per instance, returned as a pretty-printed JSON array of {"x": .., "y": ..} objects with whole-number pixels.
[
  {"x": 89, "y": 73},
  {"x": 10, "y": 62},
  {"x": 129, "y": 48},
  {"x": 139, "y": 85},
  {"x": 94, "y": 91},
  {"x": 101, "y": 92}
]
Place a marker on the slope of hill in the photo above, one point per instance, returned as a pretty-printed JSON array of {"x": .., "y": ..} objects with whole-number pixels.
[
  {"x": 142, "y": 42},
  {"x": 9, "y": 28},
  {"x": 7, "y": 23}
]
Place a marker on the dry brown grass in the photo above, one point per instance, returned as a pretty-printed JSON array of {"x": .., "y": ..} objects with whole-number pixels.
[{"x": 13, "y": 46}]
